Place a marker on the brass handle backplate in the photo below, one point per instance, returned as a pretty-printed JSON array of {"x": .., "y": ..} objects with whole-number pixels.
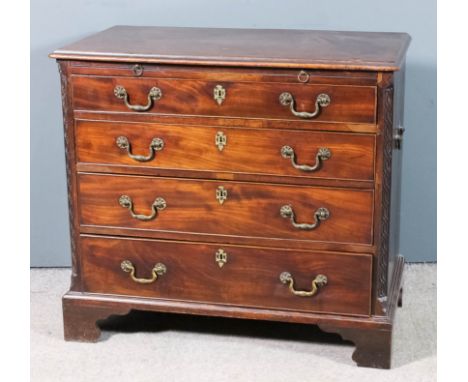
[
  {"x": 158, "y": 205},
  {"x": 317, "y": 283},
  {"x": 158, "y": 270},
  {"x": 320, "y": 214},
  {"x": 153, "y": 95},
  {"x": 322, "y": 100},
  {"x": 157, "y": 144},
  {"x": 323, "y": 154}
]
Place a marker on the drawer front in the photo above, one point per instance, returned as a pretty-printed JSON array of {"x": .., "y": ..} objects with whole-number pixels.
[
  {"x": 227, "y": 208},
  {"x": 236, "y": 150},
  {"x": 233, "y": 99},
  {"x": 248, "y": 276}
]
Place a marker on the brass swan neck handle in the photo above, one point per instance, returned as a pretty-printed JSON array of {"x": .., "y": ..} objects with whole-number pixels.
[
  {"x": 159, "y": 204},
  {"x": 320, "y": 214},
  {"x": 323, "y": 154},
  {"x": 158, "y": 270},
  {"x": 318, "y": 282},
  {"x": 157, "y": 144},
  {"x": 322, "y": 100},
  {"x": 154, "y": 94}
]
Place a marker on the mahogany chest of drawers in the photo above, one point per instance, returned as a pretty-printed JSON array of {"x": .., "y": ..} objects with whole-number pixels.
[{"x": 237, "y": 173}]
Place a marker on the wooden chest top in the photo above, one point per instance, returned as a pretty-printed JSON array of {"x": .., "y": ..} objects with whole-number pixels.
[{"x": 286, "y": 48}]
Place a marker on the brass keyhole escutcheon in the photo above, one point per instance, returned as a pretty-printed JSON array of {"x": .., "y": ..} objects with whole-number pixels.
[
  {"x": 220, "y": 140},
  {"x": 221, "y": 194},
  {"x": 219, "y": 94},
  {"x": 221, "y": 257}
]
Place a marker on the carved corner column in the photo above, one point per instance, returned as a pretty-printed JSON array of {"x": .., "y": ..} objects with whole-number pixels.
[
  {"x": 385, "y": 145},
  {"x": 69, "y": 138}
]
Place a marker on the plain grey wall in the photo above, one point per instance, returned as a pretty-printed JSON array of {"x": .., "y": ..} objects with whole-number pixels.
[{"x": 55, "y": 23}]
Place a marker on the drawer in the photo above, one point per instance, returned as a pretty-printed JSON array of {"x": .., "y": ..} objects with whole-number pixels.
[
  {"x": 247, "y": 276},
  {"x": 339, "y": 103},
  {"x": 226, "y": 208},
  {"x": 235, "y": 150}
]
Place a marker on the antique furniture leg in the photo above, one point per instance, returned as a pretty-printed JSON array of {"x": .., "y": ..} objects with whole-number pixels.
[
  {"x": 80, "y": 318},
  {"x": 374, "y": 344},
  {"x": 373, "y": 347}
]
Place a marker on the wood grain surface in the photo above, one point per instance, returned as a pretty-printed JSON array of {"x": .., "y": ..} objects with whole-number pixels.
[
  {"x": 253, "y": 99},
  {"x": 227, "y": 73},
  {"x": 250, "y": 151},
  {"x": 251, "y": 210},
  {"x": 249, "y": 278},
  {"x": 243, "y": 47}
]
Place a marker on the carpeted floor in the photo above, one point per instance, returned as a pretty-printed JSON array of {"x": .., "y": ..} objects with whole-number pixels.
[{"x": 158, "y": 347}]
